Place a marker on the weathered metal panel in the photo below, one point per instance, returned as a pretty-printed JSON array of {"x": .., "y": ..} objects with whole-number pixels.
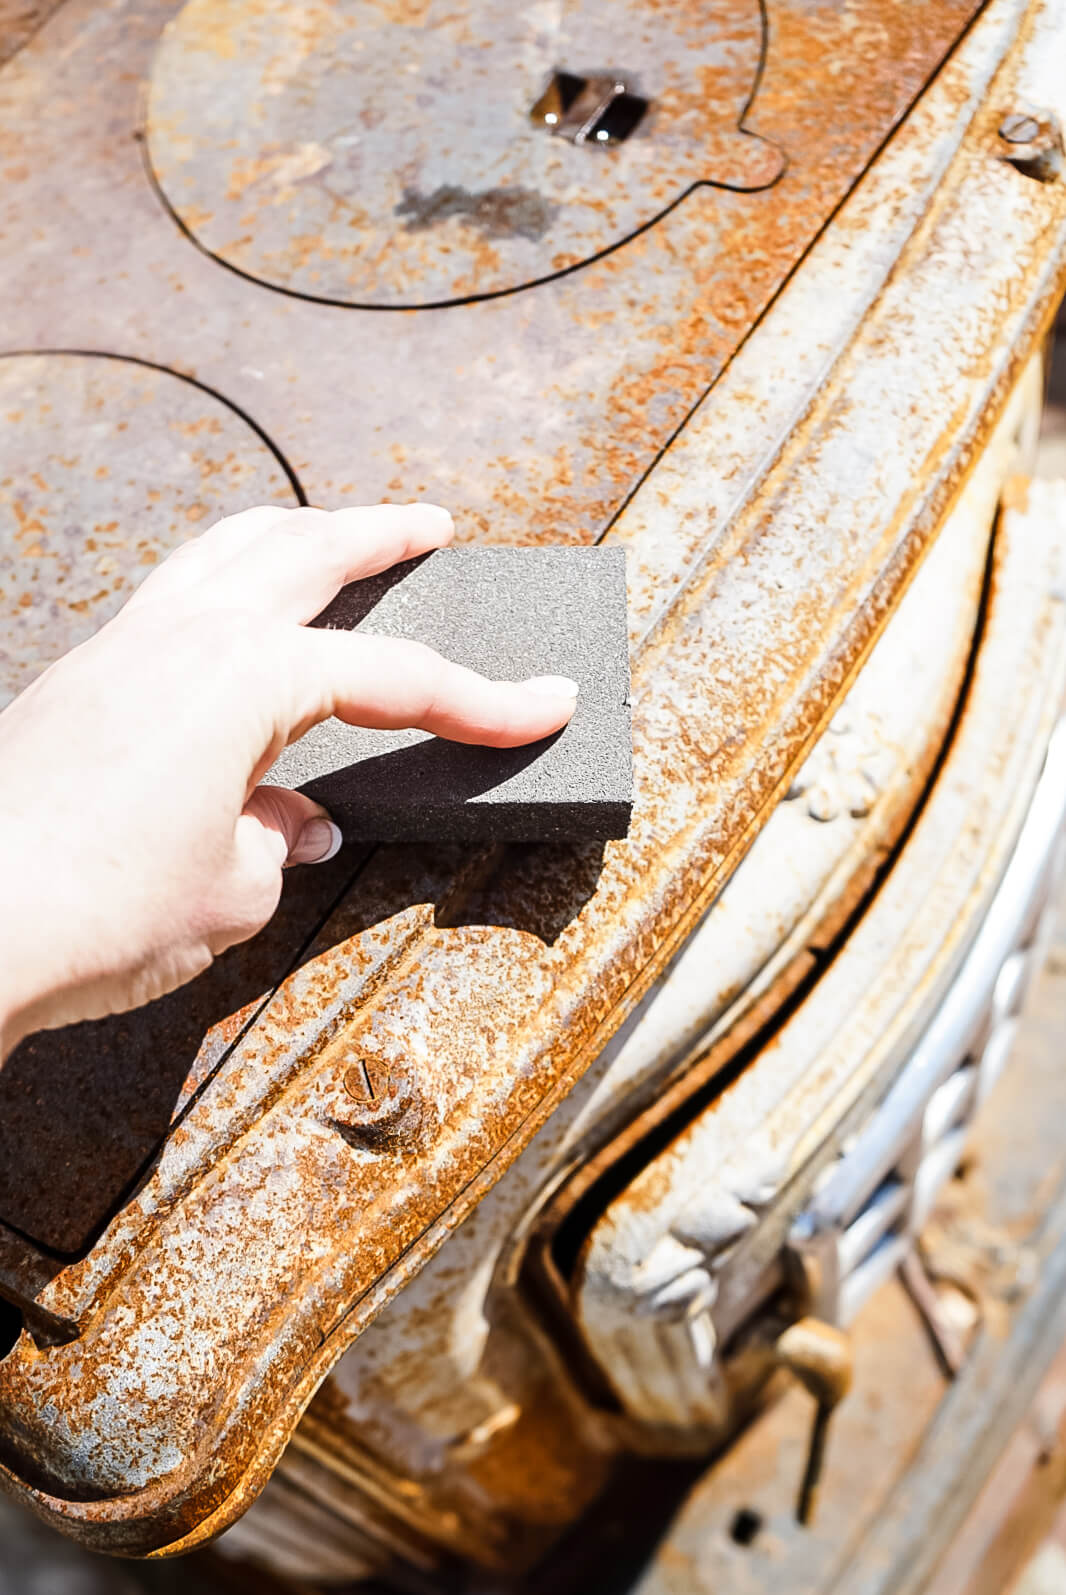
[
  {"x": 682, "y": 1257},
  {"x": 260, "y": 1239},
  {"x": 533, "y": 416},
  {"x": 386, "y": 155},
  {"x": 106, "y": 466},
  {"x": 452, "y": 1412},
  {"x": 113, "y": 44},
  {"x": 908, "y": 1452},
  {"x": 19, "y": 21}
]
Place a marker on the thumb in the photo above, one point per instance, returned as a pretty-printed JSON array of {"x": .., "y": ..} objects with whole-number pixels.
[{"x": 301, "y": 831}]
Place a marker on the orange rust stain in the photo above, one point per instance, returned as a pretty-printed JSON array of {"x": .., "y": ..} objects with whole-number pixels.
[{"x": 1016, "y": 493}]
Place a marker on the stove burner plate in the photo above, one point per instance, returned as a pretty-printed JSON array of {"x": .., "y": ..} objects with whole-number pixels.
[
  {"x": 532, "y": 415},
  {"x": 106, "y": 465},
  {"x": 381, "y": 152}
]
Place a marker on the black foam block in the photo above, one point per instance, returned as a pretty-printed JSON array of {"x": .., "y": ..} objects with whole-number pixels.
[{"x": 510, "y": 613}]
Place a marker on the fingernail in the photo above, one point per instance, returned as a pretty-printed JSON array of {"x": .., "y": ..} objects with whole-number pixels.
[
  {"x": 319, "y": 841},
  {"x": 552, "y": 686},
  {"x": 440, "y": 511}
]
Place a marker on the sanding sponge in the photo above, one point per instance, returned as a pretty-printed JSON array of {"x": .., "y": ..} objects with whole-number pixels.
[{"x": 510, "y": 613}]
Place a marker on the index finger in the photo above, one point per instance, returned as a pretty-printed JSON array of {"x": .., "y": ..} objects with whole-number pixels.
[
  {"x": 289, "y": 564},
  {"x": 388, "y": 683}
]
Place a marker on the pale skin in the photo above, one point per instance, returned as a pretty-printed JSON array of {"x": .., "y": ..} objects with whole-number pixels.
[{"x": 136, "y": 841}]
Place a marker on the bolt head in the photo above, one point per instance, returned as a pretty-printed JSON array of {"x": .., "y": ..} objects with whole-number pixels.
[
  {"x": 377, "y": 1107},
  {"x": 367, "y": 1081},
  {"x": 1019, "y": 128}
]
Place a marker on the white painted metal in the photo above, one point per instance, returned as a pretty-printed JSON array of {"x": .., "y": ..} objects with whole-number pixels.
[
  {"x": 918, "y": 1125},
  {"x": 909, "y": 1000}
]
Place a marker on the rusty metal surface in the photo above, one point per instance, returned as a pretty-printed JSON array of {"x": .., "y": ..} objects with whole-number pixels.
[
  {"x": 532, "y": 416},
  {"x": 1018, "y": 1506},
  {"x": 114, "y": 52},
  {"x": 260, "y": 1226},
  {"x": 109, "y": 1091},
  {"x": 682, "y": 1257},
  {"x": 441, "y": 1382},
  {"x": 385, "y": 155},
  {"x": 446, "y": 1412},
  {"x": 105, "y": 467},
  {"x": 19, "y": 21}
]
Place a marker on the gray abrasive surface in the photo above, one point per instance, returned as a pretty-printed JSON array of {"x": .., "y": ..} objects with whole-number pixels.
[{"x": 510, "y": 613}]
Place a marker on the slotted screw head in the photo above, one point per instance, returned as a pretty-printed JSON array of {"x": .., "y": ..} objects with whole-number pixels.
[
  {"x": 378, "y": 1106},
  {"x": 366, "y": 1081},
  {"x": 1019, "y": 128}
]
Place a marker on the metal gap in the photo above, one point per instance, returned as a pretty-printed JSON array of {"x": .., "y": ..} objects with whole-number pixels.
[
  {"x": 562, "y": 92},
  {"x": 11, "y": 1327},
  {"x": 620, "y": 117},
  {"x": 576, "y": 1225}
]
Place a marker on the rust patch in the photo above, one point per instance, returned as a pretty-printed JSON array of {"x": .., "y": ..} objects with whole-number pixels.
[{"x": 496, "y": 212}]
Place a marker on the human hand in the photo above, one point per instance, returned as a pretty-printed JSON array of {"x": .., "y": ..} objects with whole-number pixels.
[{"x": 135, "y": 841}]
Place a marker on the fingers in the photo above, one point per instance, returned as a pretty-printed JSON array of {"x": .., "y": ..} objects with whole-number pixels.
[
  {"x": 288, "y": 564},
  {"x": 298, "y": 830},
  {"x": 193, "y": 562},
  {"x": 387, "y": 684},
  {"x": 276, "y": 828},
  {"x": 298, "y": 564}
]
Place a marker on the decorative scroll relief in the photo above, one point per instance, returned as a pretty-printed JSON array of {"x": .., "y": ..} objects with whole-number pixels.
[
  {"x": 691, "y": 1229},
  {"x": 848, "y": 768},
  {"x": 675, "y": 1280}
]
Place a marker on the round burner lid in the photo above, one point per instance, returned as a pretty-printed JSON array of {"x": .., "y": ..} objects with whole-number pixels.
[
  {"x": 416, "y": 152},
  {"x": 106, "y": 465}
]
